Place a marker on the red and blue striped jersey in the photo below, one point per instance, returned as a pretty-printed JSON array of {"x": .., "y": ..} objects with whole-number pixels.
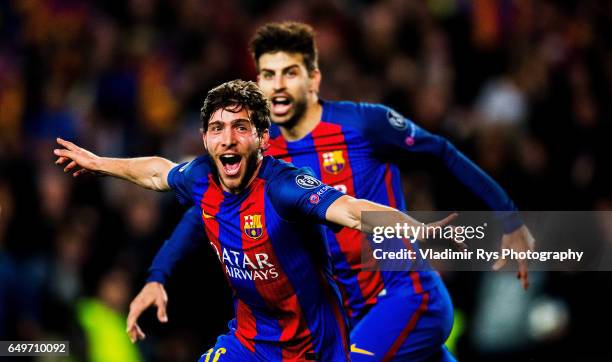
[
  {"x": 271, "y": 245},
  {"x": 350, "y": 149}
]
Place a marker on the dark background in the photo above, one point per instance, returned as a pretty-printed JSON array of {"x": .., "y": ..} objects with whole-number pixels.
[{"x": 523, "y": 87}]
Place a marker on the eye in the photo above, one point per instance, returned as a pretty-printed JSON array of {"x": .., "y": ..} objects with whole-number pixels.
[
  {"x": 267, "y": 75},
  {"x": 292, "y": 73},
  {"x": 242, "y": 127}
]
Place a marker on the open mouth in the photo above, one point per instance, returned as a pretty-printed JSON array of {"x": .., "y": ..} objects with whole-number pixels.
[
  {"x": 281, "y": 105},
  {"x": 231, "y": 164}
]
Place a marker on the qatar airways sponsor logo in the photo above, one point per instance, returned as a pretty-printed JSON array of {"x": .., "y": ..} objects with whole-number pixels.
[{"x": 239, "y": 265}]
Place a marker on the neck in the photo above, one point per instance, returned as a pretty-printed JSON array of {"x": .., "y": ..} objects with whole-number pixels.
[{"x": 305, "y": 125}]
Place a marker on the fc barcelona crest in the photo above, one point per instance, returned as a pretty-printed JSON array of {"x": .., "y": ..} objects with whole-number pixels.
[
  {"x": 252, "y": 226},
  {"x": 333, "y": 162}
]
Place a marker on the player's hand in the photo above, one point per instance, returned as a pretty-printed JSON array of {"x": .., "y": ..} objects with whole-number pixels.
[
  {"x": 519, "y": 240},
  {"x": 87, "y": 161},
  {"x": 447, "y": 222},
  {"x": 152, "y": 293}
]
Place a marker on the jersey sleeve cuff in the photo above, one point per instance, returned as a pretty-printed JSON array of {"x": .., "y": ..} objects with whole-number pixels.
[
  {"x": 157, "y": 276},
  {"x": 326, "y": 203},
  {"x": 511, "y": 220},
  {"x": 172, "y": 175},
  {"x": 172, "y": 182}
]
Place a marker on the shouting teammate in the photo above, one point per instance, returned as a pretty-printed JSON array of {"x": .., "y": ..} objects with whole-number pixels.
[{"x": 262, "y": 217}]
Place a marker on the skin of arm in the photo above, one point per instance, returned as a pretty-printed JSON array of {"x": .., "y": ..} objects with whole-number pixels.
[
  {"x": 346, "y": 211},
  {"x": 147, "y": 172}
]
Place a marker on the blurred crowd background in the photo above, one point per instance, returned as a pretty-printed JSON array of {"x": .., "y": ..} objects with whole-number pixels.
[{"x": 523, "y": 87}]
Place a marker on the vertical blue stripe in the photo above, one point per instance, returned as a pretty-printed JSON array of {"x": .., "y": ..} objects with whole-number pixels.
[
  {"x": 301, "y": 251},
  {"x": 303, "y": 154},
  {"x": 345, "y": 274}
]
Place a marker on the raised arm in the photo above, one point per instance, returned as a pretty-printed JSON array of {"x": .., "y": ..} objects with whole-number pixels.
[{"x": 147, "y": 172}]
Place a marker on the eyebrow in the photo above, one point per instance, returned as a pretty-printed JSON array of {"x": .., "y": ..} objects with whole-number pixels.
[
  {"x": 238, "y": 120},
  {"x": 282, "y": 70}
]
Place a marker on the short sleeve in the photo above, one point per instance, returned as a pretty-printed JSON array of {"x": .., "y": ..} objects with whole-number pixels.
[
  {"x": 188, "y": 178},
  {"x": 298, "y": 195}
]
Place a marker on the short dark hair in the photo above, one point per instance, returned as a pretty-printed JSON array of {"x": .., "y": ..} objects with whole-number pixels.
[
  {"x": 290, "y": 37},
  {"x": 233, "y": 96}
]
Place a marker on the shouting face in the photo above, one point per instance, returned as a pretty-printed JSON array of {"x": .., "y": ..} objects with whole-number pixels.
[
  {"x": 286, "y": 82},
  {"x": 232, "y": 141}
]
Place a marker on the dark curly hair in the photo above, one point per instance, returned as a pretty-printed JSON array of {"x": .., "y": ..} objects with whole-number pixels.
[
  {"x": 233, "y": 96},
  {"x": 290, "y": 37}
]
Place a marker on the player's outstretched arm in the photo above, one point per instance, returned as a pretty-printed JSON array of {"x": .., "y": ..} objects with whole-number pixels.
[
  {"x": 347, "y": 211},
  {"x": 152, "y": 293},
  {"x": 393, "y": 134},
  {"x": 147, "y": 172}
]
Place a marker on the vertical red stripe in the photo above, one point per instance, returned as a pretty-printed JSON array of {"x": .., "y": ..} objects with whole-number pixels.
[
  {"x": 278, "y": 293},
  {"x": 416, "y": 282},
  {"x": 359, "y": 256},
  {"x": 211, "y": 204},
  {"x": 338, "y": 316},
  {"x": 279, "y": 149},
  {"x": 414, "y": 275},
  {"x": 409, "y": 328},
  {"x": 327, "y": 138},
  {"x": 246, "y": 325},
  {"x": 389, "y": 186},
  {"x": 343, "y": 294}
]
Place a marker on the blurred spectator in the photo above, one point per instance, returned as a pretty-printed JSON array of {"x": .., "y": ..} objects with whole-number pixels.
[
  {"x": 521, "y": 86},
  {"x": 103, "y": 320}
]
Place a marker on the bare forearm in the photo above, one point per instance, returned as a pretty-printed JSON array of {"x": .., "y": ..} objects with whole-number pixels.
[
  {"x": 348, "y": 211},
  {"x": 147, "y": 172}
]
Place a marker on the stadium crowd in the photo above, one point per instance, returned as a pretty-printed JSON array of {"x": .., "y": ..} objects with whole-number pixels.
[{"x": 521, "y": 86}]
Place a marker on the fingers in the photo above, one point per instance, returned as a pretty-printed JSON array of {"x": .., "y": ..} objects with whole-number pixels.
[
  {"x": 523, "y": 274},
  {"x": 133, "y": 329},
  {"x": 69, "y": 145},
  {"x": 500, "y": 263},
  {"x": 135, "y": 333},
  {"x": 131, "y": 322},
  {"x": 460, "y": 245},
  {"x": 61, "y": 160},
  {"x": 70, "y": 166},
  {"x": 80, "y": 172},
  {"x": 447, "y": 220},
  {"x": 63, "y": 154},
  {"x": 136, "y": 310},
  {"x": 161, "y": 311}
]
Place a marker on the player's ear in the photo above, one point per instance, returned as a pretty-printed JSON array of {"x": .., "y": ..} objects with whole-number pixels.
[
  {"x": 204, "y": 140},
  {"x": 264, "y": 140},
  {"x": 315, "y": 83}
]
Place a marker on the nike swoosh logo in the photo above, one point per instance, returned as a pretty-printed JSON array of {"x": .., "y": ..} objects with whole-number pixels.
[
  {"x": 207, "y": 216},
  {"x": 354, "y": 349}
]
